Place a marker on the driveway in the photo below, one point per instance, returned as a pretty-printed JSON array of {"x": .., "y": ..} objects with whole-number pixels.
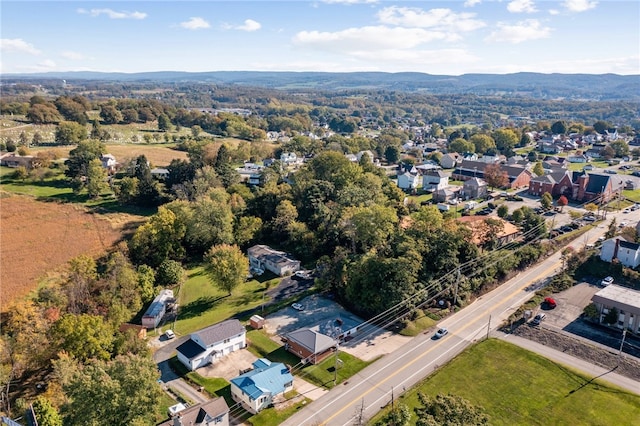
[{"x": 571, "y": 304}]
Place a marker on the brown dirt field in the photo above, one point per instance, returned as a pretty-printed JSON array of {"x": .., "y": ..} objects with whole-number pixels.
[{"x": 37, "y": 239}]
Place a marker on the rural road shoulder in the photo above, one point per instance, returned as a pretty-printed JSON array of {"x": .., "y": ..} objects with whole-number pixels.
[{"x": 577, "y": 363}]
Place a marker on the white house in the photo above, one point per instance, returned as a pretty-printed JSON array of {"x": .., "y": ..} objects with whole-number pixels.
[
  {"x": 263, "y": 258},
  {"x": 408, "y": 181},
  {"x": 289, "y": 158},
  {"x": 207, "y": 345},
  {"x": 627, "y": 253},
  {"x": 433, "y": 180},
  {"x": 258, "y": 388},
  {"x": 157, "y": 309},
  {"x": 109, "y": 162},
  {"x": 450, "y": 160}
]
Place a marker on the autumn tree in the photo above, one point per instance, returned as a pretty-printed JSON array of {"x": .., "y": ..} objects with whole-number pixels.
[
  {"x": 226, "y": 266},
  {"x": 495, "y": 176},
  {"x": 562, "y": 202},
  {"x": 546, "y": 201},
  {"x": 110, "y": 114}
]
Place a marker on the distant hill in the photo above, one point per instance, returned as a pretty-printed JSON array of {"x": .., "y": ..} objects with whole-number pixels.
[{"x": 530, "y": 85}]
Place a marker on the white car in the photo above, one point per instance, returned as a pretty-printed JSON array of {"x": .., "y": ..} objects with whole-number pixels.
[
  {"x": 169, "y": 334},
  {"x": 297, "y": 306},
  {"x": 605, "y": 282},
  {"x": 441, "y": 333}
]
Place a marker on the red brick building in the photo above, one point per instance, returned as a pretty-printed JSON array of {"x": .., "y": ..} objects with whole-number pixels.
[{"x": 310, "y": 345}]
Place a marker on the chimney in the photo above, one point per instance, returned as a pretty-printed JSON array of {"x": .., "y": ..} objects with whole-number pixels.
[{"x": 615, "y": 249}]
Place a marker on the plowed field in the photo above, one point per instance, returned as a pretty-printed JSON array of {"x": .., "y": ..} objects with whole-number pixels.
[{"x": 38, "y": 238}]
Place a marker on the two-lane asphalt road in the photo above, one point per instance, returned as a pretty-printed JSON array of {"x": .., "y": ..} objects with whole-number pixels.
[{"x": 372, "y": 387}]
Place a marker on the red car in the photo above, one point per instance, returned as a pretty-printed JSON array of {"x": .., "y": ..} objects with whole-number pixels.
[{"x": 550, "y": 302}]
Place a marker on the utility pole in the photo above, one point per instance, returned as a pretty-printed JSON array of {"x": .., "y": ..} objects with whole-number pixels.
[
  {"x": 455, "y": 294},
  {"x": 624, "y": 333},
  {"x": 335, "y": 364},
  {"x": 489, "y": 326}
]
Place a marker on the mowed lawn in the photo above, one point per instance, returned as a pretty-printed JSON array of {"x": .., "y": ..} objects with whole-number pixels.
[
  {"x": 203, "y": 304},
  {"x": 518, "y": 387}
]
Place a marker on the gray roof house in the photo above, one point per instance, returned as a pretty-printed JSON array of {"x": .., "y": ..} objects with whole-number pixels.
[
  {"x": 310, "y": 345},
  {"x": 263, "y": 258},
  {"x": 212, "y": 412},
  {"x": 207, "y": 345}
]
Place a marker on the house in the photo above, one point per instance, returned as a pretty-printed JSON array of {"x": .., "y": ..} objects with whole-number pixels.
[
  {"x": 444, "y": 195},
  {"x": 575, "y": 185},
  {"x": 288, "y": 158},
  {"x": 450, "y": 160},
  {"x": 474, "y": 188},
  {"x": 263, "y": 258},
  {"x": 258, "y": 388},
  {"x": 546, "y": 183},
  {"x": 157, "y": 309},
  {"x": 14, "y": 160},
  {"x": 210, "y": 413},
  {"x": 310, "y": 345},
  {"x": 207, "y": 345},
  {"x": 432, "y": 180},
  {"x": 408, "y": 181},
  {"x": 578, "y": 158},
  {"x": 625, "y": 300},
  {"x": 478, "y": 226},
  {"x": 109, "y": 163},
  {"x": 519, "y": 177},
  {"x": 368, "y": 153},
  {"x": 160, "y": 173},
  {"x": 627, "y": 253}
]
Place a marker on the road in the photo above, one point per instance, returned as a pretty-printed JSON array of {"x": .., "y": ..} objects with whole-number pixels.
[{"x": 372, "y": 388}]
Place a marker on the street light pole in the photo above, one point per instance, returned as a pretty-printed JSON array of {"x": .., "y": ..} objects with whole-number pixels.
[{"x": 624, "y": 334}]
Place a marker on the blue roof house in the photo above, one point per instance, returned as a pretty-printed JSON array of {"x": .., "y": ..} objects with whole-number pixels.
[{"x": 258, "y": 388}]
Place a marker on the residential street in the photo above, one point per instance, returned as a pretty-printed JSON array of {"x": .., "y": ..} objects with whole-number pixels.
[{"x": 372, "y": 388}]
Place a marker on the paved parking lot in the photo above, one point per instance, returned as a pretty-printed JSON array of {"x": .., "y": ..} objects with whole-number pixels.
[{"x": 571, "y": 303}]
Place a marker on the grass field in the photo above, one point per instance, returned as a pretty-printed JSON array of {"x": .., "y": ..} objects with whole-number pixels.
[
  {"x": 632, "y": 194},
  {"x": 517, "y": 387}
]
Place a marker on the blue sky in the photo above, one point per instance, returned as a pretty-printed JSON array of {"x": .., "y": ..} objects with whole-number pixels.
[{"x": 435, "y": 37}]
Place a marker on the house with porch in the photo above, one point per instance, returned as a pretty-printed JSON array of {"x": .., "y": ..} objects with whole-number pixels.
[
  {"x": 258, "y": 388},
  {"x": 309, "y": 345},
  {"x": 626, "y": 252},
  {"x": 409, "y": 181},
  {"x": 211, "y": 343}
]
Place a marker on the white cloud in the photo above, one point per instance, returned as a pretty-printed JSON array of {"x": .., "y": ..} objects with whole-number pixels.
[
  {"x": 249, "y": 25},
  {"x": 521, "y": 6},
  {"x": 113, "y": 14},
  {"x": 195, "y": 23},
  {"x": 439, "y": 19},
  {"x": 530, "y": 29},
  {"x": 372, "y": 38},
  {"x": 579, "y": 5},
  {"x": 471, "y": 3},
  {"x": 554, "y": 12},
  {"x": 17, "y": 45},
  {"x": 74, "y": 56}
]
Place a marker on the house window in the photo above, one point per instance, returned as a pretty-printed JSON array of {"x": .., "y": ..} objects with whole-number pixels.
[{"x": 227, "y": 340}]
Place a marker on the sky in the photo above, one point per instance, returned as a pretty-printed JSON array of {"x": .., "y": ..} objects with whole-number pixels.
[{"x": 435, "y": 37}]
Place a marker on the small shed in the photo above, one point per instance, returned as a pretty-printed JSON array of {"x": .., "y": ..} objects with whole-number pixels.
[{"x": 257, "y": 322}]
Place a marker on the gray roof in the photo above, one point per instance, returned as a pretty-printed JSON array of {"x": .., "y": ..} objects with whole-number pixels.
[
  {"x": 201, "y": 414},
  {"x": 626, "y": 297},
  {"x": 312, "y": 340},
  {"x": 219, "y": 332},
  {"x": 438, "y": 173}
]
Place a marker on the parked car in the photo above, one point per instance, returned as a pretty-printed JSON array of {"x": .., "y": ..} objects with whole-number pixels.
[
  {"x": 550, "y": 302},
  {"x": 538, "y": 319},
  {"x": 169, "y": 334},
  {"x": 589, "y": 219},
  {"x": 606, "y": 281},
  {"x": 297, "y": 306},
  {"x": 441, "y": 333}
]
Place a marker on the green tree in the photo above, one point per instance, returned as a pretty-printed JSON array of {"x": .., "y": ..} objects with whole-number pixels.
[
  {"x": 532, "y": 156},
  {"x": 546, "y": 201},
  {"x": 612, "y": 229},
  {"x": 392, "y": 154},
  {"x": 448, "y": 410},
  {"x": 226, "y": 266},
  {"x": 517, "y": 216},
  {"x": 503, "y": 211},
  {"x": 482, "y": 143},
  {"x": 525, "y": 140},
  {"x": 612, "y": 316},
  {"x": 461, "y": 145},
  {"x": 126, "y": 190},
  {"x": 79, "y": 159},
  {"x": 96, "y": 178},
  {"x": 601, "y": 126},
  {"x": 620, "y": 147},
  {"x": 118, "y": 392},
  {"x": 246, "y": 229},
  {"x": 70, "y": 133},
  {"x": 210, "y": 223},
  {"x": 538, "y": 169},
  {"x": 369, "y": 227},
  {"x": 159, "y": 239},
  {"x": 591, "y": 311},
  {"x": 170, "y": 273},
  {"x": 84, "y": 336},
  {"x": 164, "y": 123},
  {"x": 506, "y": 140},
  {"x": 559, "y": 127},
  {"x": 46, "y": 413},
  {"x": 21, "y": 173},
  {"x": 399, "y": 416},
  {"x": 44, "y": 113},
  {"x": 110, "y": 114}
]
